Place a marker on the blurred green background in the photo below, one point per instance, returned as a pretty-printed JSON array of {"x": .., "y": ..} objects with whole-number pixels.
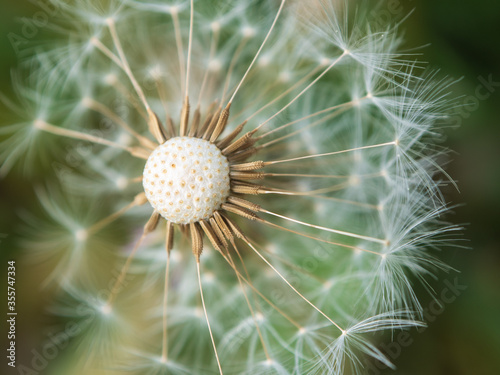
[{"x": 461, "y": 39}]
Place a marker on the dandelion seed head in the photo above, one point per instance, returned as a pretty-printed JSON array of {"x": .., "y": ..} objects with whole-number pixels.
[
  {"x": 269, "y": 362},
  {"x": 260, "y": 317},
  {"x": 124, "y": 138},
  {"x": 325, "y": 61},
  {"x": 312, "y": 162},
  {"x": 81, "y": 235},
  {"x": 215, "y": 65},
  {"x": 121, "y": 182},
  {"x": 327, "y": 284},
  {"x": 215, "y": 26},
  {"x": 174, "y": 9},
  {"x": 248, "y": 32},
  {"x": 156, "y": 71},
  {"x": 354, "y": 180},
  {"x": 186, "y": 179},
  {"x": 209, "y": 277},
  {"x": 110, "y": 79},
  {"x": 264, "y": 60},
  {"x": 285, "y": 76},
  {"x": 198, "y": 312},
  {"x": 106, "y": 309}
]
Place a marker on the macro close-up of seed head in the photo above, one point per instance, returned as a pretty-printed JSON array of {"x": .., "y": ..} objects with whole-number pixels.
[
  {"x": 230, "y": 187},
  {"x": 186, "y": 179}
]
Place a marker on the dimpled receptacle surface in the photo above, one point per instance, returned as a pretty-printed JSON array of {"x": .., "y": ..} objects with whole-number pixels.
[{"x": 186, "y": 179}]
